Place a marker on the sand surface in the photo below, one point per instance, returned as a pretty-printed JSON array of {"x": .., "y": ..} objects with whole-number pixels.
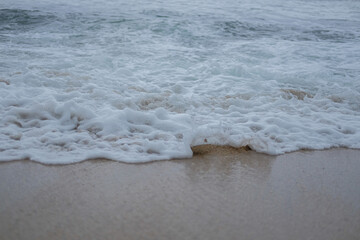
[{"x": 219, "y": 194}]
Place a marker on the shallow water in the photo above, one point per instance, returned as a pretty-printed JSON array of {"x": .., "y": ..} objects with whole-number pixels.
[{"x": 147, "y": 80}]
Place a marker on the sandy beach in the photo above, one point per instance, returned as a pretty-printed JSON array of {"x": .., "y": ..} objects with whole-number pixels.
[{"x": 218, "y": 194}]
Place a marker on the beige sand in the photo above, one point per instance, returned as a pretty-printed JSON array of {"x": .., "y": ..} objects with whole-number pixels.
[{"x": 227, "y": 194}]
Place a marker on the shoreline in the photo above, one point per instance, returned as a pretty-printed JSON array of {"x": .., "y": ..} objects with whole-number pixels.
[
  {"x": 198, "y": 151},
  {"x": 218, "y": 194}
]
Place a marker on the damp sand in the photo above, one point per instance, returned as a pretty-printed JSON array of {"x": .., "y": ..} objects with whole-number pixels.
[{"x": 221, "y": 193}]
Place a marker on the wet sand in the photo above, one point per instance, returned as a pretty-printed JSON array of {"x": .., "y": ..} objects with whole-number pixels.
[{"x": 218, "y": 194}]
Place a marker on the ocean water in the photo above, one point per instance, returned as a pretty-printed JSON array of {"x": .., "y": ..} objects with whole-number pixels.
[{"x": 142, "y": 80}]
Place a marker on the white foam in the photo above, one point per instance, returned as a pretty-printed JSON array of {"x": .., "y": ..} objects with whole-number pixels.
[{"x": 144, "y": 82}]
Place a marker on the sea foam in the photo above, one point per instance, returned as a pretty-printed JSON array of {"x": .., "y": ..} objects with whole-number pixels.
[{"x": 147, "y": 81}]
